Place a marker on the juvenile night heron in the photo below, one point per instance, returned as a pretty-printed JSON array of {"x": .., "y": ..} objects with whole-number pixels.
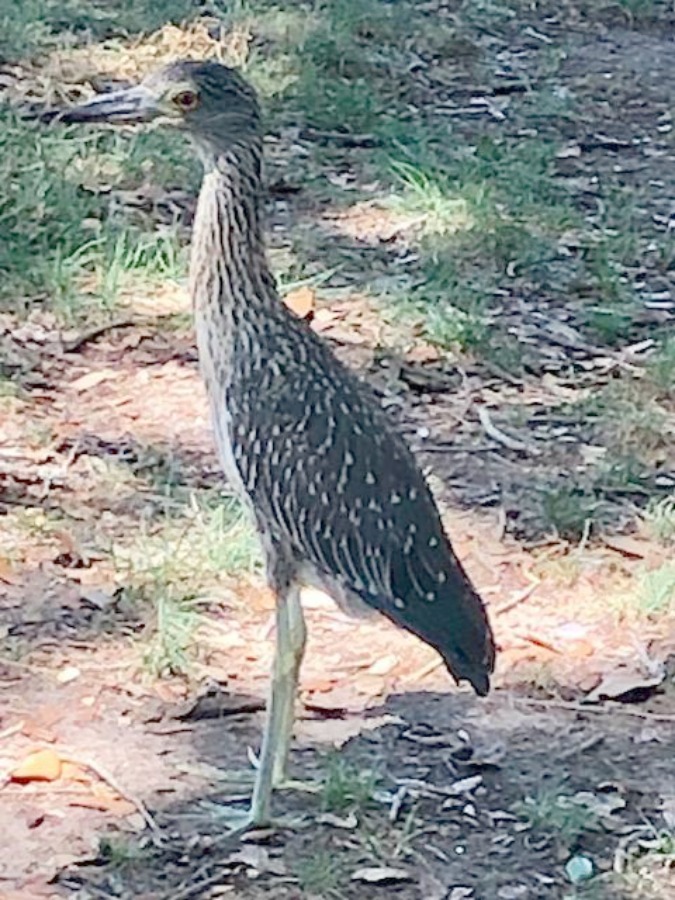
[{"x": 335, "y": 493}]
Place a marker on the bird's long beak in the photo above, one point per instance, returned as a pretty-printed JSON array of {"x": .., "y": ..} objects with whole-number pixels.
[{"x": 134, "y": 104}]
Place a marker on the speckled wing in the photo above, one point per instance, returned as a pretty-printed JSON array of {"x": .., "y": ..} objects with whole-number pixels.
[{"x": 333, "y": 482}]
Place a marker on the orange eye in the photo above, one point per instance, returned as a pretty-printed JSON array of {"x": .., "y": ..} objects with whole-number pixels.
[{"x": 186, "y": 100}]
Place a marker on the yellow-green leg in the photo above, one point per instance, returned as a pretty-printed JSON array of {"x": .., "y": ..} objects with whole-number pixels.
[
  {"x": 290, "y": 648},
  {"x": 272, "y": 764}
]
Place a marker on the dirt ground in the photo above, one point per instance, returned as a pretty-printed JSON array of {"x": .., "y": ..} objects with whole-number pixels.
[
  {"x": 432, "y": 794},
  {"x": 450, "y": 770}
]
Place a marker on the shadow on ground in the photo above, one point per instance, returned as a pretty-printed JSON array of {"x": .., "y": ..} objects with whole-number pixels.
[{"x": 463, "y": 794}]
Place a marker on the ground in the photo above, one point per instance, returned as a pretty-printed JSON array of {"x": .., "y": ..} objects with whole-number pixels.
[{"x": 472, "y": 202}]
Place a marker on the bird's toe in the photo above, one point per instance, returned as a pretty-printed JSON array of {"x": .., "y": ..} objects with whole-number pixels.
[
  {"x": 240, "y": 820},
  {"x": 295, "y": 784},
  {"x": 236, "y": 819}
]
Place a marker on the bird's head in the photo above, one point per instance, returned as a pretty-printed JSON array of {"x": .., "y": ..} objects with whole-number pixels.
[{"x": 210, "y": 101}]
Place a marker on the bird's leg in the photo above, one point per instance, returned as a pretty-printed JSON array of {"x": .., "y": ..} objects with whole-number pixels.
[
  {"x": 291, "y": 640},
  {"x": 271, "y": 771},
  {"x": 290, "y": 647}
]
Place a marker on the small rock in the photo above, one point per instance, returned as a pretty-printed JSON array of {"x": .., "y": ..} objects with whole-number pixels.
[
  {"x": 512, "y": 892},
  {"x": 381, "y": 875},
  {"x": 578, "y": 869}
]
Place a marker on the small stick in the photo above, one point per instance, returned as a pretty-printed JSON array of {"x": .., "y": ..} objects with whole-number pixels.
[
  {"x": 196, "y": 888},
  {"x": 497, "y": 435},
  {"x": 117, "y": 787},
  {"x": 518, "y": 598},
  {"x": 425, "y": 670},
  {"x": 93, "y": 333},
  {"x": 571, "y": 706},
  {"x": 588, "y": 524},
  {"x": 13, "y": 729}
]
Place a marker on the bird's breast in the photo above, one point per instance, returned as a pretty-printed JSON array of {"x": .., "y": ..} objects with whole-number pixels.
[{"x": 216, "y": 363}]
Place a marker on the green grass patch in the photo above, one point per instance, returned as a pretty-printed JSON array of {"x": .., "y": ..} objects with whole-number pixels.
[
  {"x": 8, "y": 388},
  {"x": 171, "y": 647},
  {"x": 47, "y": 220},
  {"x": 432, "y": 202},
  {"x": 29, "y": 27},
  {"x": 490, "y": 206},
  {"x": 658, "y": 519},
  {"x": 650, "y": 596},
  {"x": 190, "y": 546},
  {"x": 487, "y": 214},
  {"x": 660, "y": 369},
  {"x": 655, "y": 592},
  {"x": 561, "y": 816},
  {"x": 69, "y": 242},
  {"x": 319, "y": 873},
  {"x": 173, "y": 567},
  {"x": 632, "y": 419},
  {"x": 346, "y": 787},
  {"x": 569, "y": 510},
  {"x": 120, "y": 852}
]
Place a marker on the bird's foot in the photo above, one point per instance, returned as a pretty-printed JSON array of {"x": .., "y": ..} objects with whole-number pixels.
[
  {"x": 246, "y": 778},
  {"x": 240, "y": 821},
  {"x": 296, "y": 784},
  {"x": 237, "y": 820}
]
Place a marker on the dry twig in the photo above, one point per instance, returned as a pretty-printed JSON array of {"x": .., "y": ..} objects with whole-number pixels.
[{"x": 497, "y": 435}]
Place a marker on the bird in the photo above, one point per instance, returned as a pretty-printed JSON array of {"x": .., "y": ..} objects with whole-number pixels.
[{"x": 335, "y": 493}]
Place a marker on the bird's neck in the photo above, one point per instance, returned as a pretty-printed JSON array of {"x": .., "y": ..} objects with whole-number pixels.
[{"x": 229, "y": 272}]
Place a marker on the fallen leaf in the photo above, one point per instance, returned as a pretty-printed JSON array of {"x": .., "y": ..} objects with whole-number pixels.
[
  {"x": 621, "y": 683},
  {"x": 103, "y": 799},
  {"x": 71, "y": 771},
  {"x": 649, "y": 734},
  {"x": 68, "y": 674},
  {"x": 432, "y": 888},
  {"x": 134, "y": 822},
  {"x": 513, "y": 892},
  {"x": 39, "y": 731},
  {"x": 603, "y": 805},
  {"x": 321, "y": 684},
  {"x": 41, "y": 765},
  {"x": 628, "y": 546},
  {"x": 384, "y": 665},
  {"x": 301, "y": 301},
  {"x": 349, "y": 823},
  {"x": 252, "y": 856},
  {"x": 70, "y": 554},
  {"x": 216, "y": 703},
  {"x": 592, "y": 454},
  {"x": 98, "y": 598},
  {"x": 91, "y": 379},
  {"x": 169, "y": 692},
  {"x": 7, "y": 573},
  {"x": 333, "y": 704},
  {"x": 667, "y": 807},
  {"x": 381, "y": 875},
  {"x": 326, "y": 318},
  {"x": 465, "y": 785},
  {"x": 571, "y": 151},
  {"x": 423, "y": 353}
]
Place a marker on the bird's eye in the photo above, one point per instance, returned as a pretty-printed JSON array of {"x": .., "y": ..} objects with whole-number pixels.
[{"x": 186, "y": 100}]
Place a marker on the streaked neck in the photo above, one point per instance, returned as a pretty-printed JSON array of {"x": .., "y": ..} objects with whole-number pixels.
[{"x": 228, "y": 268}]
